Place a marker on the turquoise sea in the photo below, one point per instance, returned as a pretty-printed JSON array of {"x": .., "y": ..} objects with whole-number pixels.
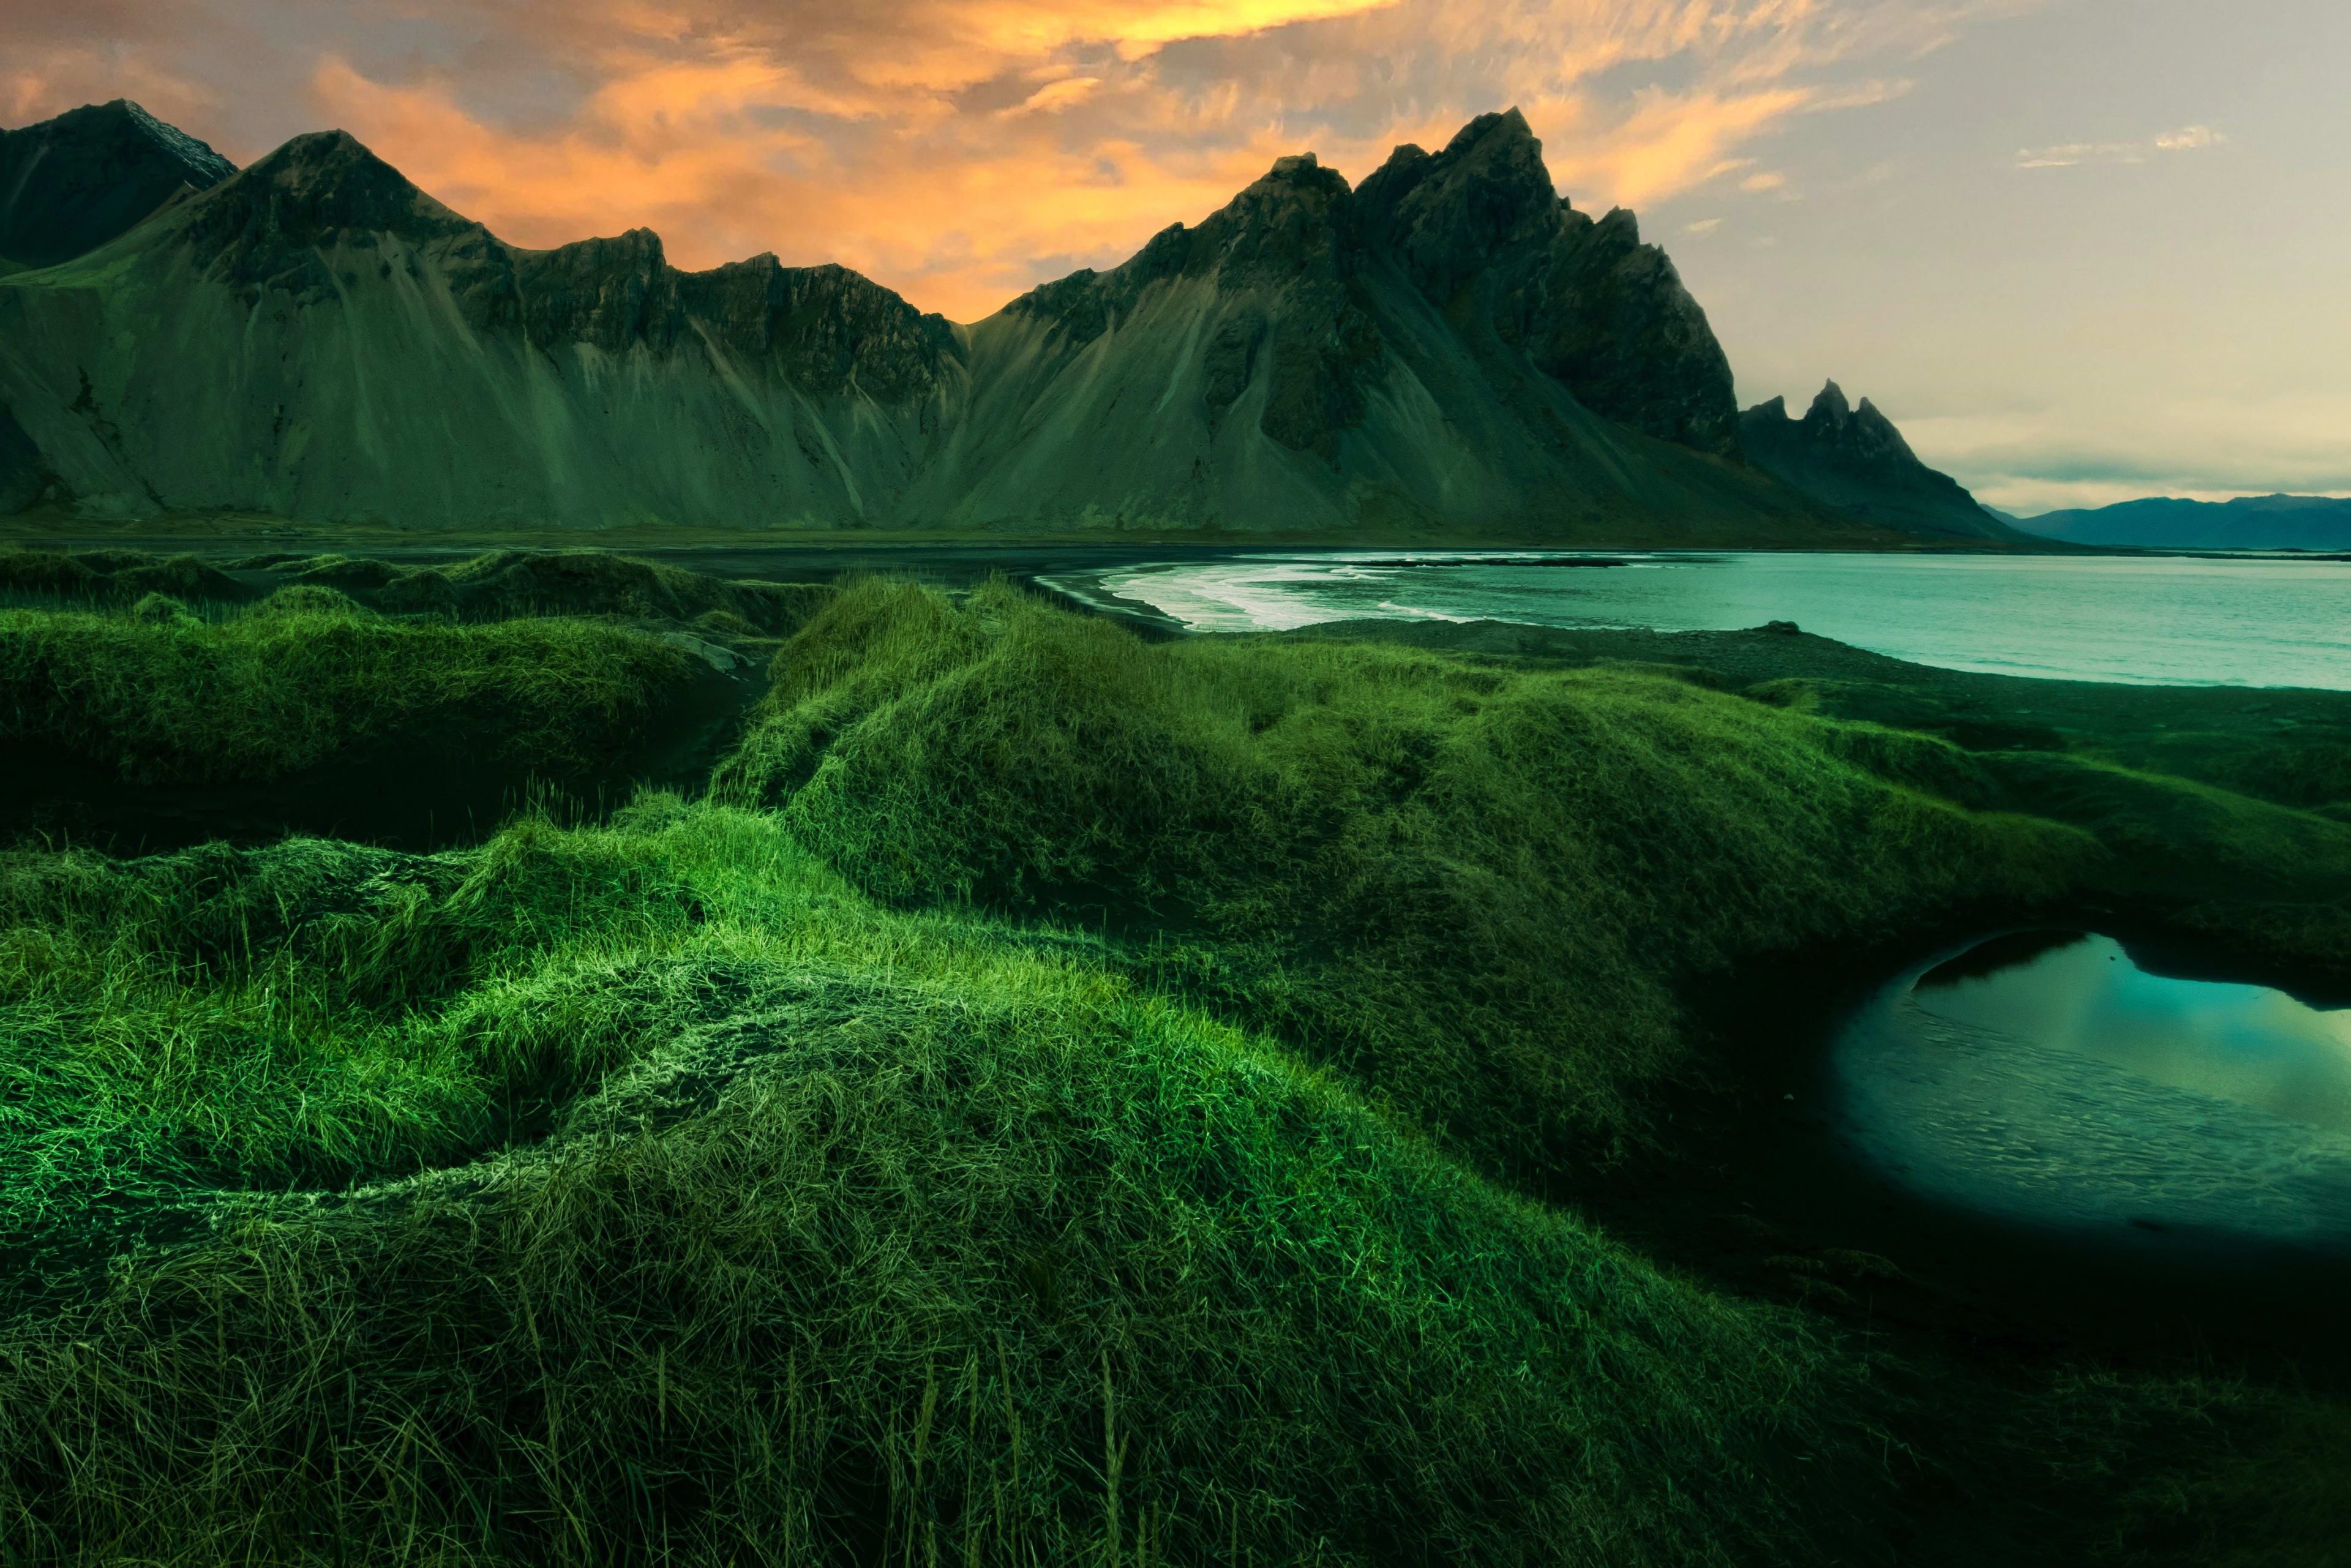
[{"x": 2157, "y": 620}]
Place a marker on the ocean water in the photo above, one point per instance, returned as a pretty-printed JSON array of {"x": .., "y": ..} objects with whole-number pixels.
[{"x": 2160, "y": 620}]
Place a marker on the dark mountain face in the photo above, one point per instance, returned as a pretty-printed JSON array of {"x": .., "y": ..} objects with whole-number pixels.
[
  {"x": 1854, "y": 460},
  {"x": 1290, "y": 241},
  {"x": 270, "y": 230},
  {"x": 69, "y": 184},
  {"x": 1590, "y": 306}
]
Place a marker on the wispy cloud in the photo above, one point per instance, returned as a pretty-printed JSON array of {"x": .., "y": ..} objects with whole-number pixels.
[
  {"x": 1054, "y": 96},
  {"x": 2068, "y": 154},
  {"x": 2188, "y": 137}
]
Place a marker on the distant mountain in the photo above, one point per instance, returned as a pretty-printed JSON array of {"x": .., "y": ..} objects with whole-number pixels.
[
  {"x": 1449, "y": 350},
  {"x": 2247, "y": 522},
  {"x": 1854, "y": 460},
  {"x": 69, "y": 184}
]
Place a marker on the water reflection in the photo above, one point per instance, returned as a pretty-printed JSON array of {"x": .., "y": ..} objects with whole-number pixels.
[
  {"x": 2047, "y": 1078},
  {"x": 2082, "y": 993}
]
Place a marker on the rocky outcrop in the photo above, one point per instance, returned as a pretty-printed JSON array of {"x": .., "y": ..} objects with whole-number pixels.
[
  {"x": 1854, "y": 460},
  {"x": 69, "y": 184},
  {"x": 1479, "y": 224},
  {"x": 826, "y": 329}
]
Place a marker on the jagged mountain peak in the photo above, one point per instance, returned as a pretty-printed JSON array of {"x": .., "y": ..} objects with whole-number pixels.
[
  {"x": 1293, "y": 224},
  {"x": 1851, "y": 458},
  {"x": 1862, "y": 429},
  {"x": 205, "y": 167},
  {"x": 278, "y": 223},
  {"x": 1446, "y": 215},
  {"x": 1478, "y": 227},
  {"x": 72, "y": 183},
  {"x": 335, "y": 181}
]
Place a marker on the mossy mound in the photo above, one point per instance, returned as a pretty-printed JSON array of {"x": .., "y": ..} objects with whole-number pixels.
[
  {"x": 310, "y": 599},
  {"x": 511, "y": 583},
  {"x": 163, "y": 697},
  {"x": 2300, "y": 762},
  {"x": 161, "y": 610},
  {"x": 115, "y": 577},
  {"x": 1482, "y": 891}
]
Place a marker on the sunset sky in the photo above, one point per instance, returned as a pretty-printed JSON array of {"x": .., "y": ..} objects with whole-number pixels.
[{"x": 2080, "y": 250}]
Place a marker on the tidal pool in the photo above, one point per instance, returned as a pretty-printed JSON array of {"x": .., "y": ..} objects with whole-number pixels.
[{"x": 2046, "y": 1079}]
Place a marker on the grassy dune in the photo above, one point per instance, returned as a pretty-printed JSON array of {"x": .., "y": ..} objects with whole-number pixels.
[
  {"x": 163, "y": 696},
  {"x": 1060, "y": 1100},
  {"x": 1481, "y": 893},
  {"x": 830, "y": 1219}
]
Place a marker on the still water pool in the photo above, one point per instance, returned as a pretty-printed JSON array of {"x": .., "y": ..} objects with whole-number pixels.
[
  {"x": 2164, "y": 619},
  {"x": 2047, "y": 1080}
]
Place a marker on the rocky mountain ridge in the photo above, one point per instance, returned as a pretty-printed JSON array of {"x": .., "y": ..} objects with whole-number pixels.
[
  {"x": 1451, "y": 349},
  {"x": 1854, "y": 460}
]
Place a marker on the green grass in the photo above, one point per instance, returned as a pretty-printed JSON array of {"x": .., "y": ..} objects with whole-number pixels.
[
  {"x": 165, "y": 697},
  {"x": 1484, "y": 893},
  {"x": 1021, "y": 1120},
  {"x": 119, "y": 576},
  {"x": 831, "y": 1201},
  {"x": 509, "y": 583}
]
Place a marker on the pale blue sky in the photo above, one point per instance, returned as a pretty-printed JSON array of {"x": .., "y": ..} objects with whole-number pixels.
[{"x": 2121, "y": 320}]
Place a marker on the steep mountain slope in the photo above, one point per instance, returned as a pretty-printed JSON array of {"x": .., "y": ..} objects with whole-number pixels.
[
  {"x": 69, "y": 184},
  {"x": 2246, "y": 522},
  {"x": 1853, "y": 460},
  {"x": 1450, "y": 351}
]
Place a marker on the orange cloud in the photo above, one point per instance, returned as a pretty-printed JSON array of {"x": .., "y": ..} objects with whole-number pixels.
[
  {"x": 1023, "y": 26},
  {"x": 960, "y": 150},
  {"x": 1671, "y": 142},
  {"x": 676, "y": 151}
]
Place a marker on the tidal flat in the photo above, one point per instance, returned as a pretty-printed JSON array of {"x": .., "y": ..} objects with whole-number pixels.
[{"x": 863, "y": 1070}]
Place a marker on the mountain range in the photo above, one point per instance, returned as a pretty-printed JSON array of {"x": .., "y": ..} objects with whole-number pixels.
[
  {"x": 2166, "y": 522},
  {"x": 1448, "y": 350}
]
